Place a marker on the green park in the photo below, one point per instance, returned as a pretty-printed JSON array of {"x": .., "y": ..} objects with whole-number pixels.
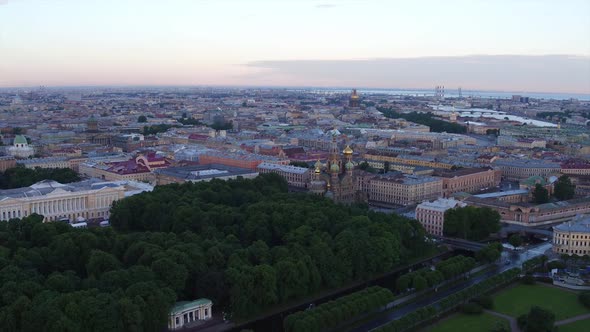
[
  {"x": 563, "y": 305},
  {"x": 465, "y": 322}
]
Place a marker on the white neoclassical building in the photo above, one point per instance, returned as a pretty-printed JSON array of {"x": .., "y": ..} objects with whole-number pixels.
[
  {"x": 186, "y": 312},
  {"x": 55, "y": 201},
  {"x": 20, "y": 148}
]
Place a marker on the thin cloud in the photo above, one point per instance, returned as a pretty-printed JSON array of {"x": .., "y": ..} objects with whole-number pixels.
[
  {"x": 325, "y": 6},
  {"x": 544, "y": 73}
]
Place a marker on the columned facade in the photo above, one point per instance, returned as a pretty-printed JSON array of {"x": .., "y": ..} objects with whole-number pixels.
[
  {"x": 573, "y": 237},
  {"x": 186, "y": 312},
  {"x": 60, "y": 203}
]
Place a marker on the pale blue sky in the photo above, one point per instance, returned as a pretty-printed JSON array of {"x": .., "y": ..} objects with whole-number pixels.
[{"x": 202, "y": 42}]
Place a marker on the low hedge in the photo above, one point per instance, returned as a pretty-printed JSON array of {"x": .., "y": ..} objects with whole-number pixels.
[
  {"x": 425, "y": 277},
  {"x": 428, "y": 313},
  {"x": 333, "y": 313}
]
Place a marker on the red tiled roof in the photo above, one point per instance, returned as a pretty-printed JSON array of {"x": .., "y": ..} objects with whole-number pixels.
[
  {"x": 575, "y": 164},
  {"x": 128, "y": 167},
  {"x": 198, "y": 136}
]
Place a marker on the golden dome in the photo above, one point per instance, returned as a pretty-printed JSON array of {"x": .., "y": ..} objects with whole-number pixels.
[{"x": 347, "y": 150}]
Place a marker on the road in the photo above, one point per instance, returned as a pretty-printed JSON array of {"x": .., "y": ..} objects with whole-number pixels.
[
  {"x": 517, "y": 228},
  {"x": 516, "y": 260}
]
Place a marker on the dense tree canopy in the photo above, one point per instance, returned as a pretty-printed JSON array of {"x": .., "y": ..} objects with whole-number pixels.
[
  {"x": 334, "y": 313},
  {"x": 584, "y": 298},
  {"x": 427, "y": 277},
  {"x": 57, "y": 278},
  {"x": 244, "y": 244},
  {"x": 259, "y": 245},
  {"x": 222, "y": 125},
  {"x": 515, "y": 240},
  {"x": 564, "y": 189},
  {"x": 299, "y": 164},
  {"x": 366, "y": 167},
  {"x": 490, "y": 253},
  {"x": 189, "y": 121},
  {"x": 426, "y": 119},
  {"x": 540, "y": 194},
  {"x": 537, "y": 320},
  {"x": 20, "y": 176},
  {"x": 156, "y": 129},
  {"x": 471, "y": 223}
]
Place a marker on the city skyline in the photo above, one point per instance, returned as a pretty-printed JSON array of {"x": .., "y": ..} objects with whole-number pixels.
[{"x": 298, "y": 43}]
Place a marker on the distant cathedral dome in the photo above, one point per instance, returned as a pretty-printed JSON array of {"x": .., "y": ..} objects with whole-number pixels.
[
  {"x": 92, "y": 124},
  {"x": 349, "y": 165},
  {"x": 347, "y": 151},
  {"x": 354, "y": 101}
]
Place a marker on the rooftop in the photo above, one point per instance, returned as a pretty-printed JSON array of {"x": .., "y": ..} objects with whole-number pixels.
[
  {"x": 200, "y": 172},
  {"x": 460, "y": 172},
  {"x": 441, "y": 204},
  {"x": 46, "y": 187},
  {"x": 406, "y": 179},
  {"x": 187, "y": 305},
  {"x": 33, "y": 161},
  {"x": 527, "y": 163},
  {"x": 284, "y": 168},
  {"x": 580, "y": 224},
  {"x": 20, "y": 139},
  {"x": 503, "y": 193}
]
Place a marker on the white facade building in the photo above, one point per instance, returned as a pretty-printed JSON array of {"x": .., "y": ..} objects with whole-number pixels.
[
  {"x": 20, "y": 148},
  {"x": 87, "y": 199},
  {"x": 295, "y": 176},
  {"x": 186, "y": 312}
]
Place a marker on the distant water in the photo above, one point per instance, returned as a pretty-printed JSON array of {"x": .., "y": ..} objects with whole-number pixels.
[
  {"x": 485, "y": 113},
  {"x": 469, "y": 93}
]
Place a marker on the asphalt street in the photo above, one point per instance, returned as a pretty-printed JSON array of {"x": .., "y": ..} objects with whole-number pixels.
[{"x": 515, "y": 259}]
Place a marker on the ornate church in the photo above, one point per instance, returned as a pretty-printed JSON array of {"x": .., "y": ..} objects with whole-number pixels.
[{"x": 337, "y": 178}]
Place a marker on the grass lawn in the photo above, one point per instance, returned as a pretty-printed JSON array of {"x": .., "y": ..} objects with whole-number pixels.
[
  {"x": 518, "y": 300},
  {"x": 579, "y": 326},
  {"x": 472, "y": 323}
]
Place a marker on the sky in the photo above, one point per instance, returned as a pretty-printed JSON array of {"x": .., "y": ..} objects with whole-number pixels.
[{"x": 502, "y": 45}]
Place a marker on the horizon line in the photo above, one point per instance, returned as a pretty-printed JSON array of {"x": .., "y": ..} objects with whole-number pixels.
[{"x": 276, "y": 87}]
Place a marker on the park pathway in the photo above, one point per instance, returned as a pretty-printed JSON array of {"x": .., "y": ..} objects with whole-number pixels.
[
  {"x": 559, "y": 287},
  {"x": 512, "y": 320},
  {"x": 573, "y": 319}
]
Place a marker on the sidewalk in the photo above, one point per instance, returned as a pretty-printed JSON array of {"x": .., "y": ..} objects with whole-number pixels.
[
  {"x": 405, "y": 299},
  {"x": 512, "y": 320},
  {"x": 572, "y": 319}
]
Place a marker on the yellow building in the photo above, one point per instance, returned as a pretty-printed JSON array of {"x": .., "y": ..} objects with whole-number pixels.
[
  {"x": 573, "y": 237},
  {"x": 398, "y": 189},
  {"x": 405, "y": 159}
]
